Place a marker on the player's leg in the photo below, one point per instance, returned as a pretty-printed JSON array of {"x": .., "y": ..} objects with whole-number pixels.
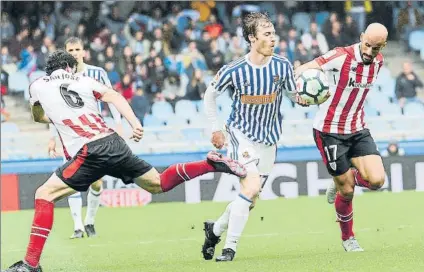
[
  {"x": 75, "y": 205},
  {"x": 259, "y": 162},
  {"x": 51, "y": 191},
  {"x": 334, "y": 152},
  {"x": 93, "y": 203},
  {"x": 369, "y": 172}
]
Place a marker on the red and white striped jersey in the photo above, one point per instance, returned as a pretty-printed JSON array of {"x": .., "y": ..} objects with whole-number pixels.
[
  {"x": 70, "y": 102},
  {"x": 350, "y": 81}
]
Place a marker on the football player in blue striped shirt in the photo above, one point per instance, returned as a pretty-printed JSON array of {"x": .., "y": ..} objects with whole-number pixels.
[
  {"x": 75, "y": 47},
  {"x": 257, "y": 83}
]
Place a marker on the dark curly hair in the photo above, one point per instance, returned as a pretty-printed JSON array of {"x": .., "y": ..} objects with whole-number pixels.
[
  {"x": 59, "y": 60},
  {"x": 251, "y": 23}
]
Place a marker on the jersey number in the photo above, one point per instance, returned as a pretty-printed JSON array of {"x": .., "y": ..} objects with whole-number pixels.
[
  {"x": 71, "y": 98},
  {"x": 331, "y": 152}
]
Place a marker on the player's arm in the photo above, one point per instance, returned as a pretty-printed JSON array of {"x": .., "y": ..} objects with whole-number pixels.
[
  {"x": 218, "y": 85},
  {"x": 290, "y": 89},
  {"x": 326, "y": 62},
  {"x": 117, "y": 117},
  {"x": 108, "y": 95}
]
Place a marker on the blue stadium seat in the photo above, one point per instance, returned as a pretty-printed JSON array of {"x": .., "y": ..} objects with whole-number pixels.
[
  {"x": 416, "y": 39},
  {"x": 193, "y": 134},
  {"x": 152, "y": 121},
  {"x": 413, "y": 109},
  {"x": 18, "y": 82},
  {"x": 176, "y": 121},
  {"x": 224, "y": 102},
  {"x": 320, "y": 17},
  {"x": 162, "y": 110},
  {"x": 422, "y": 53},
  {"x": 302, "y": 21},
  {"x": 9, "y": 127},
  {"x": 199, "y": 105},
  {"x": 370, "y": 111},
  {"x": 198, "y": 120},
  {"x": 185, "y": 108},
  {"x": 389, "y": 110},
  {"x": 311, "y": 112},
  {"x": 378, "y": 126}
]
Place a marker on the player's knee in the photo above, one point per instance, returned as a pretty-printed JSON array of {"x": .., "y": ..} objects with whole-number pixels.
[
  {"x": 44, "y": 192},
  {"x": 345, "y": 185},
  {"x": 376, "y": 181},
  {"x": 97, "y": 186}
]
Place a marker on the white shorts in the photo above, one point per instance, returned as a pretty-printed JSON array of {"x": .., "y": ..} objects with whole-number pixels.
[{"x": 240, "y": 148}]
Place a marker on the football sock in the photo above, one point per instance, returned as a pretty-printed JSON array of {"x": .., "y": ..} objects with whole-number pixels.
[
  {"x": 75, "y": 204},
  {"x": 41, "y": 226},
  {"x": 359, "y": 181},
  {"x": 93, "y": 203},
  {"x": 179, "y": 173},
  {"x": 222, "y": 223},
  {"x": 239, "y": 213},
  {"x": 344, "y": 213}
]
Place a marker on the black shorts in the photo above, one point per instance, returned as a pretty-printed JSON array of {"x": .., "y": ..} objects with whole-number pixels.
[
  {"x": 337, "y": 149},
  {"x": 108, "y": 156}
]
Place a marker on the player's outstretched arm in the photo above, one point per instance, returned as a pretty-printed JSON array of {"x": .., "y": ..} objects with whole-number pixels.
[
  {"x": 38, "y": 114},
  {"x": 309, "y": 65}
]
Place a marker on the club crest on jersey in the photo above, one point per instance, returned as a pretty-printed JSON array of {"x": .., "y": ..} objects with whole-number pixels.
[
  {"x": 246, "y": 154},
  {"x": 246, "y": 84},
  {"x": 333, "y": 166},
  {"x": 276, "y": 78}
]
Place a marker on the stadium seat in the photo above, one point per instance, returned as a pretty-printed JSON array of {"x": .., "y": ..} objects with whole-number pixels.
[
  {"x": 176, "y": 121},
  {"x": 422, "y": 53},
  {"x": 185, "y": 108},
  {"x": 162, "y": 110},
  {"x": 302, "y": 21},
  {"x": 390, "y": 109},
  {"x": 370, "y": 111},
  {"x": 18, "y": 82},
  {"x": 35, "y": 75},
  {"x": 9, "y": 127},
  {"x": 311, "y": 112},
  {"x": 223, "y": 102},
  {"x": 416, "y": 39},
  {"x": 413, "y": 109},
  {"x": 199, "y": 105},
  {"x": 320, "y": 17},
  {"x": 193, "y": 134},
  {"x": 153, "y": 121}
]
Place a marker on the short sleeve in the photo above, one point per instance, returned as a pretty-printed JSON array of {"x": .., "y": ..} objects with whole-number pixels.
[
  {"x": 330, "y": 60},
  {"x": 33, "y": 95},
  {"x": 289, "y": 83},
  {"x": 97, "y": 87},
  {"x": 222, "y": 80}
]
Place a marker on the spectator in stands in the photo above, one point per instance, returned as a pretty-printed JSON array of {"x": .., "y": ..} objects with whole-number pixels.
[
  {"x": 393, "y": 150},
  {"x": 214, "y": 57},
  {"x": 196, "y": 88},
  {"x": 302, "y": 55},
  {"x": 82, "y": 34},
  {"x": 175, "y": 87},
  {"x": 193, "y": 56},
  {"x": 112, "y": 73},
  {"x": 204, "y": 8},
  {"x": 336, "y": 37},
  {"x": 7, "y": 28},
  {"x": 47, "y": 25},
  {"x": 37, "y": 39},
  {"x": 138, "y": 44},
  {"x": 6, "y": 58},
  {"x": 158, "y": 74},
  {"x": 292, "y": 42},
  {"x": 407, "y": 84},
  {"x": 140, "y": 104},
  {"x": 282, "y": 50},
  {"x": 4, "y": 83},
  {"x": 224, "y": 41},
  {"x": 113, "y": 21},
  {"x": 157, "y": 41},
  {"x": 5, "y": 115},
  {"x": 125, "y": 87},
  {"x": 358, "y": 10},
  {"x": 213, "y": 28},
  {"x": 315, "y": 41},
  {"x": 204, "y": 43},
  {"x": 18, "y": 43},
  {"x": 125, "y": 59},
  {"x": 235, "y": 50},
  {"x": 28, "y": 63},
  {"x": 328, "y": 24},
  {"x": 66, "y": 33},
  {"x": 409, "y": 18},
  {"x": 350, "y": 30},
  {"x": 282, "y": 27}
]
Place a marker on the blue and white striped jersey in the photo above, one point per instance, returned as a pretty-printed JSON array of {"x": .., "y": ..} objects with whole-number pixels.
[{"x": 257, "y": 93}]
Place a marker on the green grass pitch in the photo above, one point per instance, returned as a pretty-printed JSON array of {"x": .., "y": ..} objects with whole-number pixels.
[{"x": 294, "y": 235}]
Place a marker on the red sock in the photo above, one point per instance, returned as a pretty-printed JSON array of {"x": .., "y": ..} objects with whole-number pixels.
[
  {"x": 344, "y": 213},
  {"x": 359, "y": 181},
  {"x": 41, "y": 226},
  {"x": 181, "y": 172}
]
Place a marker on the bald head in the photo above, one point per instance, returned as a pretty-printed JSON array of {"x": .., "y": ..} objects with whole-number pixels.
[
  {"x": 372, "y": 41},
  {"x": 376, "y": 32}
]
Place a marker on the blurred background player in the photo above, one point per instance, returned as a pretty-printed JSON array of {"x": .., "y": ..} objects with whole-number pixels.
[
  {"x": 74, "y": 46},
  {"x": 339, "y": 130},
  {"x": 257, "y": 82},
  {"x": 69, "y": 101}
]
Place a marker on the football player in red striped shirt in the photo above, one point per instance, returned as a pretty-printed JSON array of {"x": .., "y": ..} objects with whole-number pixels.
[{"x": 341, "y": 135}]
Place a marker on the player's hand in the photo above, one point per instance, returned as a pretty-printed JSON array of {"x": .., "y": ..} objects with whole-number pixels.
[
  {"x": 137, "y": 133},
  {"x": 51, "y": 148},
  {"x": 302, "y": 102},
  {"x": 218, "y": 139},
  {"x": 298, "y": 71}
]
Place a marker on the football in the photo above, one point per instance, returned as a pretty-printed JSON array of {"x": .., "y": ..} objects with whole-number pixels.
[{"x": 312, "y": 86}]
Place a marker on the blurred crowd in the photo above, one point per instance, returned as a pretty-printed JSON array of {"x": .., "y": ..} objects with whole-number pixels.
[{"x": 154, "y": 51}]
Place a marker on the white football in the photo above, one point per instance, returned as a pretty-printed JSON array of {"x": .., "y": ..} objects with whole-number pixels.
[{"x": 313, "y": 86}]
